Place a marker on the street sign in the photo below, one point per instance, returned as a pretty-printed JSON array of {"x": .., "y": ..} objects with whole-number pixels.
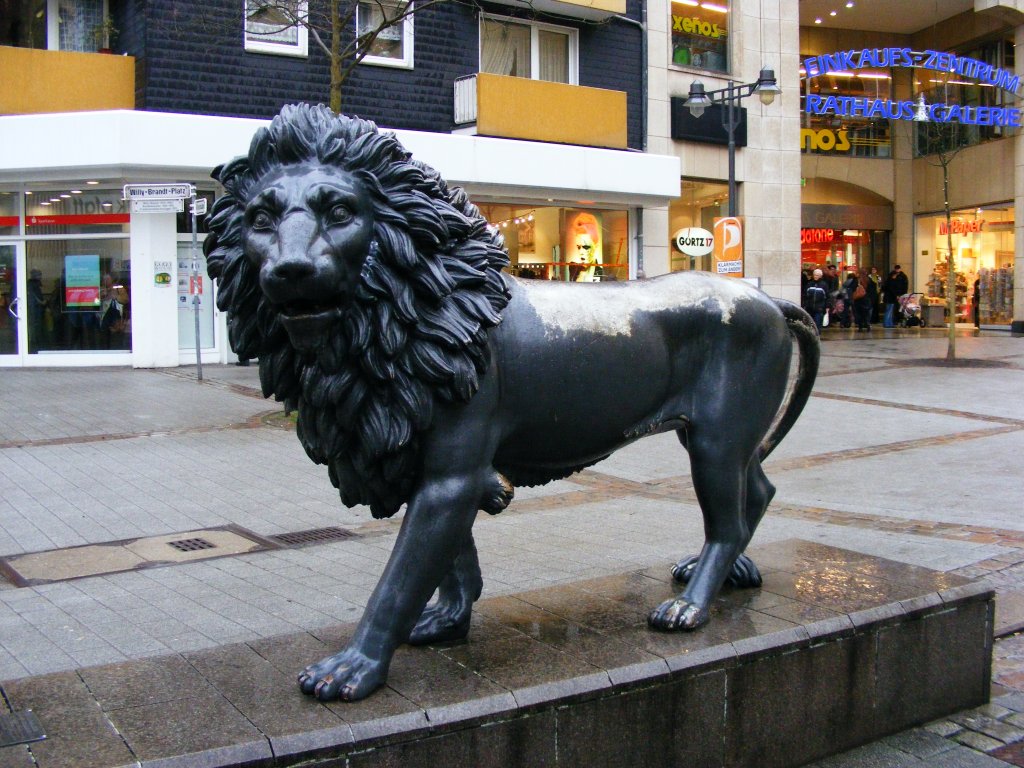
[
  {"x": 157, "y": 191},
  {"x": 199, "y": 206},
  {"x": 158, "y": 205}
]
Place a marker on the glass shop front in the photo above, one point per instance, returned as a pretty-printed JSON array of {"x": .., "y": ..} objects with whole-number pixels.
[
  {"x": 65, "y": 272},
  {"x": 581, "y": 245},
  {"x": 982, "y": 240}
]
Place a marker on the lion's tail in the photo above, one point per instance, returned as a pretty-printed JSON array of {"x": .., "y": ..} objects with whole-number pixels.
[{"x": 802, "y": 326}]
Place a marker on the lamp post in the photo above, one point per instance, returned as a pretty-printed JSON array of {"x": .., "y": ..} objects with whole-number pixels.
[{"x": 730, "y": 97}]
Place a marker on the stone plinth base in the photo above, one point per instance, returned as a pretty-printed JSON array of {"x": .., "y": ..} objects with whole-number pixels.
[{"x": 837, "y": 649}]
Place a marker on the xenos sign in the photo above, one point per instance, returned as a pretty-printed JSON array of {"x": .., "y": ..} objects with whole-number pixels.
[
  {"x": 824, "y": 140},
  {"x": 695, "y": 26}
]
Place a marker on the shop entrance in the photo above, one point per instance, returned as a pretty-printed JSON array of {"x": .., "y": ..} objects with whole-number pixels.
[{"x": 13, "y": 306}]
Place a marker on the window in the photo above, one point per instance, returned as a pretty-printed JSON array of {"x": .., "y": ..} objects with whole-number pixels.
[
  {"x": 65, "y": 25},
  {"x": 854, "y": 135},
  {"x": 534, "y": 51},
  {"x": 563, "y": 244},
  {"x": 277, "y": 27},
  {"x": 393, "y": 45},
  {"x": 700, "y": 35}
]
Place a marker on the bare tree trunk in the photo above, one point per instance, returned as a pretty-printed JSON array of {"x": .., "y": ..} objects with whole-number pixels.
[
  {"x": 950, "y": 271},
  {"x": 336, "y": 78}
]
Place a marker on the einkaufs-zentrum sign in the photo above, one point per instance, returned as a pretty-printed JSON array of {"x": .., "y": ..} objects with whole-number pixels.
[{"x": 947, "y": 63}]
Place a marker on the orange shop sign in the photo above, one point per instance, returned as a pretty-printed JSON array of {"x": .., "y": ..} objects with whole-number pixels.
[
  {"x": 816, "y": 235},
  {"x": 961, "y": 226}
]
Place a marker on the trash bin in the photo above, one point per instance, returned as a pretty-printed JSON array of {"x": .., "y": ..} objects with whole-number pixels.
[{"x": 934, "y": 314}]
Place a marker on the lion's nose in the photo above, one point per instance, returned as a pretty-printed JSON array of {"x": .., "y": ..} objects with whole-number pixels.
[{"x": 292, "y": 269}]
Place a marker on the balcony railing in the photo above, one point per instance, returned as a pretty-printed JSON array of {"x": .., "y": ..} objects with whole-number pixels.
[
  {"x": 518, "y": 108},
  {"x": 36, "y": 81}
]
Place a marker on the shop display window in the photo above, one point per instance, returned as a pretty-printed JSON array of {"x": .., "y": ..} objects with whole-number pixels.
[
  {"x": 846, "y": 249},
  {"x": 983, "y": 262},
  {"x": 698, "y": 205},
  {"x": 563, "y": 244},
  {"x": 79, "y": 295},
  {"x": 700, "y": 36},
  {"x": 75, "y": 210},
  {"x": 831, "y": 134}
]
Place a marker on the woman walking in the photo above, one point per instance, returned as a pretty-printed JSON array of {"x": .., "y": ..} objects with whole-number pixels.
[{"x": 864, "y": 297}]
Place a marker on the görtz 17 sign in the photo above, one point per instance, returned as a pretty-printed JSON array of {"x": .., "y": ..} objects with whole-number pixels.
[{"x": 693, "y": 241}]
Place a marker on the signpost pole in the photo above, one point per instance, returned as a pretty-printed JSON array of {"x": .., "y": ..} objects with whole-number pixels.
[{"x": 195, "y": 286}]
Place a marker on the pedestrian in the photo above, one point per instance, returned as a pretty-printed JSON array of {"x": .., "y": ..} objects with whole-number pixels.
[
  {"x": 832, "y": 278},
  {"x": 844, "y": 300},
  {"x": 816, "y": 298},
  {"x": 976, "y": 301},
  {"x": 895, "y": 286},
  {"x": 876, "y": 310},
  {"x": 864, "y": 296}
]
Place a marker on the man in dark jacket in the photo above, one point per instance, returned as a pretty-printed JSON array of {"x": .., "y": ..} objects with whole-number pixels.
[
  {"x": 897, "y": 285},
  {"x": 816, "y": 297}
]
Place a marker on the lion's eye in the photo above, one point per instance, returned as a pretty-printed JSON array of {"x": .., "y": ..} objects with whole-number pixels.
[
  {"x": 339, "y": 214},
  {"x": 262, "y": 220}
]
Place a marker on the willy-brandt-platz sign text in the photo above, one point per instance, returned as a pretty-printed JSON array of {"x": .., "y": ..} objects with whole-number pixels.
[{"x": 947, "y": 63}]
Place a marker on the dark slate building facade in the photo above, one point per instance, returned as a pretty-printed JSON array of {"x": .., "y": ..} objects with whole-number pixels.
[{"x": 191, "y": 58}]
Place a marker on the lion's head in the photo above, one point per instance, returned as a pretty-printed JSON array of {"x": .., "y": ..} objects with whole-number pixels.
[{"x": 364, "y": 285}]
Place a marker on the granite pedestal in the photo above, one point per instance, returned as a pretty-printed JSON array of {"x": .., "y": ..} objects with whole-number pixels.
[{"x": 835, "y": 650}]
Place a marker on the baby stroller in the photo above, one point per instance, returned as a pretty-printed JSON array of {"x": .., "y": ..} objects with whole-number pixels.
[{"x": 910, "y": 310}]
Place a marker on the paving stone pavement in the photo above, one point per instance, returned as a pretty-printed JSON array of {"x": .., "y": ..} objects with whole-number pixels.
[{"x": 894, "y": 456}]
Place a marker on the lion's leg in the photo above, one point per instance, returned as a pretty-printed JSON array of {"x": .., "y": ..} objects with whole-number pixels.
[
  {"x": 744, "y": 572},
  {"x": 719, "y": 478},
  {"x": 436, "y": 524},
  {"x": 448, "y": 618}
]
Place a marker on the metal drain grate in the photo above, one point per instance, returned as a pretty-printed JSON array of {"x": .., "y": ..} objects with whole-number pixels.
[
  {"x": 312, "y": 536},
  {"x": 191, "y": 545}
]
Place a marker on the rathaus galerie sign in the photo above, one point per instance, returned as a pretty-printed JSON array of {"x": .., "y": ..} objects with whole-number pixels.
[{"x": 947, "y": 63}]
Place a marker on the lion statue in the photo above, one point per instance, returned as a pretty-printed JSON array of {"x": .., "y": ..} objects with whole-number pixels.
[{"x": 375, "y": 299}]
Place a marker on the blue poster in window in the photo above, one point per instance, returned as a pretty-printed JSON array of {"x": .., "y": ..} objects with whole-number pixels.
[{"x": 82, "y": 282}]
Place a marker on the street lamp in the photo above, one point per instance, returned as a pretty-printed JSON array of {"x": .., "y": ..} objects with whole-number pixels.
[{"x": 766, "y": 89}]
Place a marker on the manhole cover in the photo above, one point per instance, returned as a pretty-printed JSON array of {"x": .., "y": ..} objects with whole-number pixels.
[
  {"x": 20, "y": 728},
  {"x": 118, "y": 556},
  {"x": 312, "y": 536},
  {"x": 191, "y": 545}
]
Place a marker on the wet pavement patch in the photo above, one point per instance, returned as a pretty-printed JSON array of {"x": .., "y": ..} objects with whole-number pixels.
[
  {"x": 1010, "y": 753},
  {"x": 960, "y": 362},
  {"x": 20, "y": 728},
  {"x": 131, "y": 554}
]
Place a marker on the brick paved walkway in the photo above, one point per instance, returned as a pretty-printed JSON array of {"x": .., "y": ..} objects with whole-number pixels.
[{"x": 912, "y": 462}]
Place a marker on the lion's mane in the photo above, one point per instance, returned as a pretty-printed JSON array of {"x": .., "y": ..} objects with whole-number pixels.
[{"x": 415, "y": 332}]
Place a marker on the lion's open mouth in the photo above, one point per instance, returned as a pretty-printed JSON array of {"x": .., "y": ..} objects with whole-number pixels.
[{"x": 307, "y": 324}]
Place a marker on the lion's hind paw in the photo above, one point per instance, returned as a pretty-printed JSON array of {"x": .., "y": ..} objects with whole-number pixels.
[
  {"x": 743, "y": 574},
  {"x": 678, "y": 613},
  {"x": 348, "y": 676},
  {"x": 438, "y": 624}
]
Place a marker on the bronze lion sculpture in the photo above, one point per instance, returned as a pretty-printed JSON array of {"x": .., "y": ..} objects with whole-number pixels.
[{"x": 374, "y": 297}]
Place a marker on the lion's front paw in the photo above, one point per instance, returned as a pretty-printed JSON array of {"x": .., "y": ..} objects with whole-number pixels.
[
  {"x": 348, "y": 676},
  {"x": 678, "y": 614},
  {"x": 743, "y": 574},
  {"x": 439, "y": 624}
]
